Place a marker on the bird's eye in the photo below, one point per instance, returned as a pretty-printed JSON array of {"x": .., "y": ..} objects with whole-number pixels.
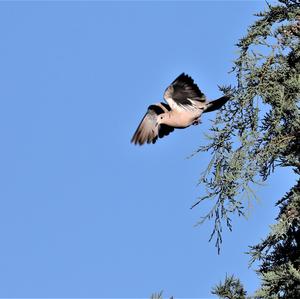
[{"x": 161, "y": 117}]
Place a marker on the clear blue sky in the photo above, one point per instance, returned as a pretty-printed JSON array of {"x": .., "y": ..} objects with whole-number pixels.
[{"x": 84, "y": 213}]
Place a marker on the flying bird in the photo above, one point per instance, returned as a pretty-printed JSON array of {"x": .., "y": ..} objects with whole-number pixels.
[{"x": 185, "y": 105}]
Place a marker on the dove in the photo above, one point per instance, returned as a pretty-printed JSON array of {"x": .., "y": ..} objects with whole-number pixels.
[{"x": 184, "y": 106}]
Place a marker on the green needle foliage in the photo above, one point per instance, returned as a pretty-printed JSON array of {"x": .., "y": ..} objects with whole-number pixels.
[
  {"x": 258, "y": 130},
  {"x": 230, "y": 289},
  {"x": 279, "y": 252},
  {"x": 157, "y": 295}
]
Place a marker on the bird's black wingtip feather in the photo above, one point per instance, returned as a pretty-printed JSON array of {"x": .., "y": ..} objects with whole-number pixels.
[{"x": 184, "y": 78}]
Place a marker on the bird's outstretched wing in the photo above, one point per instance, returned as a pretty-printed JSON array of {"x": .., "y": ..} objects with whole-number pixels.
[
  {"x": 148, "y": 130},
  {"x": 184, "y": 93}
]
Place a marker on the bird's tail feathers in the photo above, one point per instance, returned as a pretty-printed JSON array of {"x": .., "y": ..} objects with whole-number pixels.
[{"x": 216, "y": 104}]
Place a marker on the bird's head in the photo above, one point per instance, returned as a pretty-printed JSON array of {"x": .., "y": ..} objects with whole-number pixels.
[{"x": 160, "y": 119}]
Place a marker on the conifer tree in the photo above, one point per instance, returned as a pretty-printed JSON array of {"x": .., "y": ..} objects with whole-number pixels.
[
  {"x": 254, "y": 134},
  {"x": 232, "y": 288}
]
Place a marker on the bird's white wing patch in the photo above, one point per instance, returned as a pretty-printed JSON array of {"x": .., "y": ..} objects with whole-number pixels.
[{"x": 184, "y": 94}]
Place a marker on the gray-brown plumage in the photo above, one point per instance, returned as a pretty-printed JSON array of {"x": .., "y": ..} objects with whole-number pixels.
[{"x": 185, "y": 104}]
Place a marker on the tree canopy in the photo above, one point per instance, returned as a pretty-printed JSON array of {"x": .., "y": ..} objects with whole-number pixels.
[{"x": 254, "y": 134}]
